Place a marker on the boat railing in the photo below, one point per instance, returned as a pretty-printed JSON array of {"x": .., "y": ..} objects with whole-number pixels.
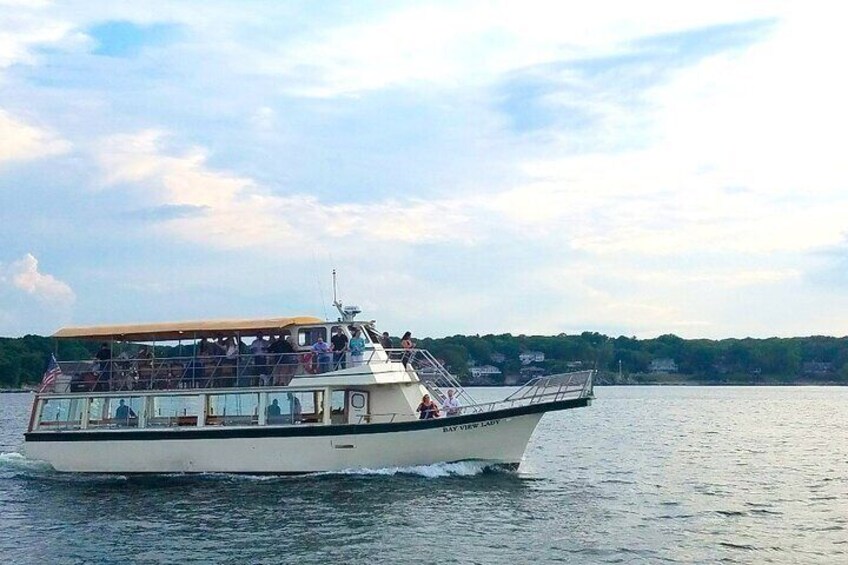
[
  {"x": 432, "y": 374},
  {"x": 144, "y": 372},
  {"x": 540, "y": 390}
]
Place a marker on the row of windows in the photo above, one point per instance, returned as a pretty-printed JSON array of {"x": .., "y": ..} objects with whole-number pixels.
[{"x": 166, "y": 411}]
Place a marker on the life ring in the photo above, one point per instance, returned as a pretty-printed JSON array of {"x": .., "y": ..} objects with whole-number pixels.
[{"x": 308, "y": 366}]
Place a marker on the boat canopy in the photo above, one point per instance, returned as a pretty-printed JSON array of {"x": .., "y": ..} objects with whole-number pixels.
[{"x": 166, "y": 331}]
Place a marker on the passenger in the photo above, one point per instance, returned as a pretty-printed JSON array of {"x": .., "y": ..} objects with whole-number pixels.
[
  {"x": 408, "y": 345},
  {"x": 144, "y": 366},
  {"x": 104, "y": 365},
  {"x": 206, "y": 358},
  {"x": 451, "y": 404},
  {"x": 285, "y": 367},
  {"x": 339, "y": 341},
  {"x": 259, "y": 349},
  {"x": 386, "y": 341},
  {"x": 296, "y": 409},
  {"x": 357, "y": 348},
  {"x": 322, "y": 351},
  {"x": 427, "y": 409},
  {"x": 123, "y": 413},
  {"x": 274, "y": 409},
  {"x": 230, "y": 364}
]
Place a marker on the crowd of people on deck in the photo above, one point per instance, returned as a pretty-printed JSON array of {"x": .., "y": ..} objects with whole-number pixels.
[
  {"x": 273, "y": 361},
  {"x": 225, "y": 361}
]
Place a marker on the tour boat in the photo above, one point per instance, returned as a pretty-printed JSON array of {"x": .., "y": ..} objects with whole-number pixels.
[{"x": 191, "y": 397}]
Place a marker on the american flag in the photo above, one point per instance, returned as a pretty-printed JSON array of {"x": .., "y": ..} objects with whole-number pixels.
[{"x": 50, "y": 375}]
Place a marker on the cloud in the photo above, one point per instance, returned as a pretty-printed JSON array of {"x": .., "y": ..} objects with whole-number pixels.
[
  {"x": 20, "y": 141},
  {"x": 231, "y": 211},
  {"x": 473, "y": 43},
  {"x": 25, "y": 29},
  {"x": 25, "y": 276}
]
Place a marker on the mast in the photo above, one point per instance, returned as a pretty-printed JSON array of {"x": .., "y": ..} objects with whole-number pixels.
[{"x": 347, "y": 313}]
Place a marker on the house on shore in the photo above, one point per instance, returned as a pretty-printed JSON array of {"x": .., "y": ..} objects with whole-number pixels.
[{"x": 662, "y": 366}]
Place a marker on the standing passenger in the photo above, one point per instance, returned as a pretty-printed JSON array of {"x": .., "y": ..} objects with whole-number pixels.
[
  {"x": 322, "y": 351},
  {"x": 357, "y": 348},
  {"x": 259, "y": 349},
  {"x": 408, "y": 345},
  {"x": 339, "y": 342},
  {"x": 386, "y": 341},
  {"x": 104, "y": 358},
  {"x": 451, "y": 404}
]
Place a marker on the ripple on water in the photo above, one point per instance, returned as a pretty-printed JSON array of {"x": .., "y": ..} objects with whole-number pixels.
[{"x": 613, "y": 483}]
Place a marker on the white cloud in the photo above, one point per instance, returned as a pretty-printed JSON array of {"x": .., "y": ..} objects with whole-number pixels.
[
  {"x": 233, "y": 211},
  {"x": 20, "y": 141},
  {"x": 25, "y": 276},
  {"x": 475, "y": 42},
  {"x": 26, "y": 27}
]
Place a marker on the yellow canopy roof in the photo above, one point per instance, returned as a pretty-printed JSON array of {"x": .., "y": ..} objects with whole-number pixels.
[{"x": 184, "y": 330}]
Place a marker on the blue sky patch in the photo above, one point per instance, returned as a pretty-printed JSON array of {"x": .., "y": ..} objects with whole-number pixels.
[{"x": 126, "y": 39}]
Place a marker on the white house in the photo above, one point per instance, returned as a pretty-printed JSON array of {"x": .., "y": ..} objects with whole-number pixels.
[
  {"x": 663, "y": 365},
  {"x": 498, "y": 357},
  {"x": 484, "y": 371},
  {"x": 531, "y": 357}
]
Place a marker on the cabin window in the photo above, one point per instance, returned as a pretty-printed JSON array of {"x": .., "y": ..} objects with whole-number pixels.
[
  {"x": 337, "y": 407},
  {"x": 232, "y": 409},
  {"x": 295, "y": 407},
  {"x": 173, "y": 411},
  {"x": 115, "y": 412},
  {"x": 307, "y": 336},
  {"x": 61, "y": 413}
]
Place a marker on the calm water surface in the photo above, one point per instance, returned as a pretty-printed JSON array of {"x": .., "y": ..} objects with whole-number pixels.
[{"x": 647, "y": 474}]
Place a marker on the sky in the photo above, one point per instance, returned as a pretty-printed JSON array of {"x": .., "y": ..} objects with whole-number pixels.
[{"x": 631, "y": 168}]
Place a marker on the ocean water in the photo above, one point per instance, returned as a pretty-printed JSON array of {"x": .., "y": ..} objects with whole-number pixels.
[{"x": 646, "y": 474}]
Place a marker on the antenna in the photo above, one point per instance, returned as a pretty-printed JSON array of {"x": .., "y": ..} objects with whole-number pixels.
[
  {"x": 336, "y": 302},
  {"x": 348, "y": 313}
]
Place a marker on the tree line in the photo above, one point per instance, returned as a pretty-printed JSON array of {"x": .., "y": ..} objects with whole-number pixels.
[{"x": 811, "y": 359}]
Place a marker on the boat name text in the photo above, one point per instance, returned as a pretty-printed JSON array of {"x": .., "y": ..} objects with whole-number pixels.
[{"x": 474, "y": 426}]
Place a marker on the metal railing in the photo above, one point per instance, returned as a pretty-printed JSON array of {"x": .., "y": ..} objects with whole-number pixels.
[
  {"x": 432, "y": 374},
  {"x": 244, "y": 370},
  {"x": 541, "y": 390}
]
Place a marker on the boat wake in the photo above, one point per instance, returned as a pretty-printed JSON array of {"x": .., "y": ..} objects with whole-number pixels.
[
  {"x": 17, "y": 461},
  {"x": 433, "y": 471},
  {"x": 14, "y": 461}
]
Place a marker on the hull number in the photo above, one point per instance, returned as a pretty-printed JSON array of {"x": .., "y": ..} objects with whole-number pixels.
[{"x": 474, "y": 426}]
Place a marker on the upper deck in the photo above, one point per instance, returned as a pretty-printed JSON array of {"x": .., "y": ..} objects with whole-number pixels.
[{"x": 230, "y": 354}]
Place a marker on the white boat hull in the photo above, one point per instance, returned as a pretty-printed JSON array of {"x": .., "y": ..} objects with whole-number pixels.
[{"x": 499, "y": 440}]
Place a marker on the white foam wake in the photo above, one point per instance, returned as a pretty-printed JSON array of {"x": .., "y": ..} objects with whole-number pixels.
[
  {"x": 13, "y": 459},
  {"x": 433, "y": 471}
]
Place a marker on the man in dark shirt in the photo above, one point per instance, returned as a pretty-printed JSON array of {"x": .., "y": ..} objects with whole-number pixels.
[
  {"x": 123, "y": 413},
  {"x": 339, "y": 342},
  {"x": 284, "y": 360},
  {"x": 274, "y": 408},
  {"x": 104, "y": 358}
]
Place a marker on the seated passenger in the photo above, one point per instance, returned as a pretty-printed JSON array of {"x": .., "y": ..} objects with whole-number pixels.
[
  {"x": 427, "y": 409},
  {"x": 274, "y": 408},
  {"x": 123, "y": 413}
]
